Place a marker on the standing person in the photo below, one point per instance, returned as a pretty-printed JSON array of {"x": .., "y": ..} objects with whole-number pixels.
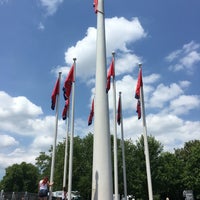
[
  {"x": 43, "y": 188},
  {"x": 64, "y": 194}
]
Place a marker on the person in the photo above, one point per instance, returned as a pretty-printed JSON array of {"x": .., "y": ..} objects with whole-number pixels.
[
  {"x": 43, "y": 188},
  {"x": 64, "y": 194}
]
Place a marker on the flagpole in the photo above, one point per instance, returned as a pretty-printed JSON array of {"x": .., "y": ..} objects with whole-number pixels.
[
  {"x": 115, "y": 133},
  {"x": 66, "y": 150},
  {"x": 146, "y": 148},
  {"x": 55, "y": 139},
  {"x": 72, "y": 134},
  {"x": 122, "y": 145},
  {"x": 102, "y": 183}
]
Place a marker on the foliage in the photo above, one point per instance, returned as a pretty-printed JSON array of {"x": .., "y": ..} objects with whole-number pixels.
[
  {"x": 190, "y": 156},
  {"x": 171, "y": 172},
  {"x": 20, "y": 177}
]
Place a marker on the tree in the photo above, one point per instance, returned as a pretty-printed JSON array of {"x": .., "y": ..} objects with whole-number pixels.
[
  {"x": 171, "y": 172},
  {"x": 82, "y": 165},
  {"x": 21, "y": 177},
  {"x": 168, "y": 176},
  {"x": 138, "y": 172},
  {"x": 190, "y": 156}
]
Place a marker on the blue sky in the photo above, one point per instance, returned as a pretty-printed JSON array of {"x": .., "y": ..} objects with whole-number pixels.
[{"x": 40, "y": 38}]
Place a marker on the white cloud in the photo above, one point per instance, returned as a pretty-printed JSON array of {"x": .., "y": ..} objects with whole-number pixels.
[
  {"x": 7, "y": 141},
  {"x": 185, "y": 58},
  {"x": 184, "y": 84},
  {"x": 21, "y": 117},
  {"x": 51, "y": 5},
  {"x": 115, "y": 27},
  {"x": 85, "y": 49},
  {"x": 125, "y": 63},
  {"x": 183, "y": 104},
  {"x": 168, "y": 129},
  {"x": 190, "y": 59},
  {"x": 15, "y": 113},
  {"x": 163, "y": 94}
]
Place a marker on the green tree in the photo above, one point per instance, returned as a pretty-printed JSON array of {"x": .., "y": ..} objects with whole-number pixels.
[
  {"x": 21, "y": 177},
  {"x": 137, "y": 166},
  {"x": 190, "y": 156},
  {"x": 171, "y": 173},
  {"x": 82, "y": 165},
  {"x": 168, "y": 176}
]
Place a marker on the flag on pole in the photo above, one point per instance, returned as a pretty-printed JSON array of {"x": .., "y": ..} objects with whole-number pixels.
[
  {"x": 95, "y": 5},
  {"x": 138, "y": 110},
  {"x": 65, "y": 109},
  {"x": 139, "y": 84},
  {"x": 54, "y": 94},
  {"x": 137, "y": 93},
  {"x": 91, "y": 114},
  {"x": 119, "y": 111},
  {"x": 111, "y": 72},
  {"x": 68, "y": 83}
]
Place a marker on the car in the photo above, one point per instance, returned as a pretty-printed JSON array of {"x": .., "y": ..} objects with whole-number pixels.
[{"x": 58, "y": 195}]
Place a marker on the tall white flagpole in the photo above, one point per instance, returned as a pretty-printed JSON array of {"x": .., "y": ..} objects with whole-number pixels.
[
  {"x": 72, "y": 134},
  {"x": 102, "y": 183},
  {"x": 55, "y": 139},
  {"x": 146, "y": 148},
  {"x": 115, "y": 133},
  {"x": 122, "y": 145},
  {"x": 66, "y": 150}
]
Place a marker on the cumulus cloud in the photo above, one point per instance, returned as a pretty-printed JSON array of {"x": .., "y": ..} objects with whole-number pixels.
[
  {"x": 22, "y": 119},
  {"x": 185, "y": 58},
  {"x": 163, "y": 94},
  {"x": 15, "y": 113},
  {"x": 7, "y": 140},
  {"x": 183, "y": 104},
  {"x": 125, "y": 61},
  {"x": 169, "y": 129}
]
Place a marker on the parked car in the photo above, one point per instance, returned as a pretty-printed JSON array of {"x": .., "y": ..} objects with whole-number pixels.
[{"x": 58, "y": 195}]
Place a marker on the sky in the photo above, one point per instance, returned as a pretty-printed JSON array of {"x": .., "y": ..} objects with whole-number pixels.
[{"x": 40, "y": 38}]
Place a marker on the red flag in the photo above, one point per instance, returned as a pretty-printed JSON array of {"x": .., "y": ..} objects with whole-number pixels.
[
  {"x": 95, "y": 5},
  {"x": 119, "y": 112},
  {"x": 54, "y": 94},
  {"x": 65, "y": 110},
  {"x": 91, "y": 114},
  {"x": 111, "y": 72},
  {"x": 139, "y": 84},
  {"x": 138, "y": 109},
  {"x": 68, "y": 83}
]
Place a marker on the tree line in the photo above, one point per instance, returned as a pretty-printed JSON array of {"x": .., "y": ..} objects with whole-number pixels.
[{"x": 172, "y": 173}]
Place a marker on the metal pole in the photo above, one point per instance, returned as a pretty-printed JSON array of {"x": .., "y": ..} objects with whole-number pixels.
[
  {"x": 123, "y": 152},
  {"x": 102, "y": 183},
  {"x": 66, "y": 151},
  {"x": 146, "y": 148},
  {"x": 54, "y": 144},
  {"x": 115, "y": 134},
  {"x": 72, "y": 135}
]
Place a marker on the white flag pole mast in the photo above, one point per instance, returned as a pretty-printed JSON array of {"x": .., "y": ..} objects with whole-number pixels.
[
  {"x": 72, "y": 134},
  {"x": 115, "y": 133},
  {"x": 122, "y": 145},
  {"x": 55, "y": 139},
  {"x": 66, "y": 151},
  {"x": 146, "y": 148},
  {"x": 102, "y": 183}
]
